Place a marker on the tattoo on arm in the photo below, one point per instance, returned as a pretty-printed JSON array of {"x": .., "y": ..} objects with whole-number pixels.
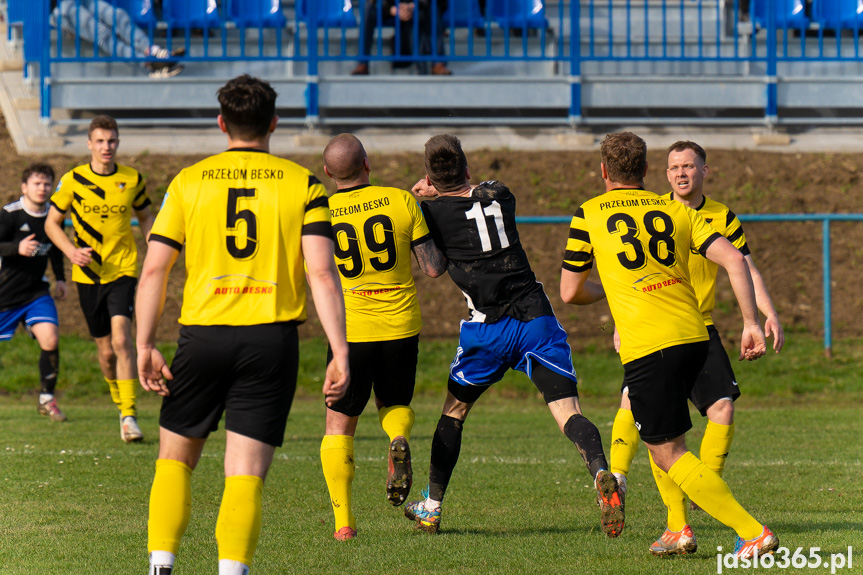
[{"x": 430, "y": 259}]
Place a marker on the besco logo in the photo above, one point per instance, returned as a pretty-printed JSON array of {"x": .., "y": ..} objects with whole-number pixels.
[{"x": 104, "y": 209}]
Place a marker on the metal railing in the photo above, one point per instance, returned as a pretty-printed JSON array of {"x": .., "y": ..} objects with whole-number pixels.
[
  {"x": 591, "y": 46},
  {"x": 825, "y": 220}
]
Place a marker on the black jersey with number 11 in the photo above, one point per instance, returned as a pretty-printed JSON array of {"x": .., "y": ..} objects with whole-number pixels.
[{"x": 478, "y": 236}]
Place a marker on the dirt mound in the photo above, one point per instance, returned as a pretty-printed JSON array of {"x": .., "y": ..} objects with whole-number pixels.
[{"x": 552, "y": 183}]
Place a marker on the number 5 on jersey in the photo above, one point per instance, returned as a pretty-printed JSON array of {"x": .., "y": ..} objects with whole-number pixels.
[{"x": 235, "y": 216}]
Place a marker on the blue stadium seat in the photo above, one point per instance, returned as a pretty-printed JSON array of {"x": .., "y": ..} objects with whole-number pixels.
[
  {"x": 838, "y": 14},
  {"x": 329, "y": 13},
  {"x": 519, "y": 13},
  {"x": 789, "y": 13},
  {"x": 257, "y": 13},
  {"x": 140, "y": 11},
  {"x": 191, "y": 14},
  {"x": 463, "y": 14}
]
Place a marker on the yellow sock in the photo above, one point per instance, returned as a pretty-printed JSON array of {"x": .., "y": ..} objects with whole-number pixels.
[
  {"x": 397, "y": 420},
  {"x": 673, "y": 497},
  {"x": 115, "y": 391},
  {"x": 126, "y": 389},
  {"x": 624, "y": 441},
  {"x": 715, "y": 445},
  {"x": 170, "y": 505},
  {"x": 711, "y": 493},
  {"x": 337, "y": 459},
  {"x": 239, "y": 524}
]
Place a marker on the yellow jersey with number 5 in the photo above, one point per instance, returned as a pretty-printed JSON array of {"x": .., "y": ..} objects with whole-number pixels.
[
  {"x": 241, "y": 216},
  {"x": 374, "y": 229},
  {"x": 641, "y": 244}
]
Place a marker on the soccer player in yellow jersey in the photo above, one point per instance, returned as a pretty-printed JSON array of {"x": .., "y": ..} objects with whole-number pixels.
[
  {"x": 716, "y": 387},
  {"x": 375, "y": 230},
  {"x": 248, "y": 221},
  {"x": 641, "y": 243},
  {"x": 102, "y": 197}
]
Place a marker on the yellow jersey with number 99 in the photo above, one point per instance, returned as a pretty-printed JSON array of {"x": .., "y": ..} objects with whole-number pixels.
[
  {"x": 641, "y": 243},
  {"x": 374, "y": 229},
  {"x": 241, "y": 215}
]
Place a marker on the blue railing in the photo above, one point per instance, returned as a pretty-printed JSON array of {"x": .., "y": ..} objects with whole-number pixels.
[
  {"x": 825, "y": 220},
  {"x": 582, "y": 40}
]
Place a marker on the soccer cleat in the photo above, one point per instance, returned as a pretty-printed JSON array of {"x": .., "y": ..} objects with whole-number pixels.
[
  {"x": 160, "y": 570},
  {"x": 346, "y": 533},
  {"x": 428, "y": 521},
  {"x": 400, "y": 473},
  {"x": 129, "y": 430},
  {"x": 675, "y": 543},
  {"x": 764, "y": 544},
  {"x": 611, "y": 516},
  {"x": 50, "y": 409}
]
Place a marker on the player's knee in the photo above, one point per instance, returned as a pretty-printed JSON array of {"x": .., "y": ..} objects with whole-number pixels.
[
  {"x": 722, "y": 411},
  {"x": 122, "y": 343},
  {"x": 48, "y": 342}
]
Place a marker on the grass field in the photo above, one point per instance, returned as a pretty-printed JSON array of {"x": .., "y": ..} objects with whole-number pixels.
[{"x": 74, "y": 497}]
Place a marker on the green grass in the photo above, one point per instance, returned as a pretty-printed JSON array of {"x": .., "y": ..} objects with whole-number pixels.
[{"x": 74, "y": 497}]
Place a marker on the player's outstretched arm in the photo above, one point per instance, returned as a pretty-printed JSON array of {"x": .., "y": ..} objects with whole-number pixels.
[
  {"x": 723, "y": 252},
  {"x": 330, "y": 304},
  {"x": 152, "y": 368},
  {"x": 430, "y": 259},
  {"x": 54, "y": 231},
  {"x": 574, "y": 288},
  {"x": 772, "y": 327}
]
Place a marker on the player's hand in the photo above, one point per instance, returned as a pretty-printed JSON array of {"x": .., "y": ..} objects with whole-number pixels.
[
  {"x": 28, "y": 247},
  {"x": 153, "y": 371},
  {"x": 424, "y": 190},
  {"x": 60, "y": 290},
  {"x": 81, "y": 256},
  {"x": 616, "y": 339},
  {"x": 752, "y": 344},
  {"x": 336, "y": 381},
  {"x": 772, "y": 327}
]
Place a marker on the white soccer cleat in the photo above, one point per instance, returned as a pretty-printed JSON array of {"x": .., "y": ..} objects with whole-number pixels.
[{"x": 129, "y": 430}]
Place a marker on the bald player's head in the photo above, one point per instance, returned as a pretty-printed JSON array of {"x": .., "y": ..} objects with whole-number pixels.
[{"x": 345, "y": 159}]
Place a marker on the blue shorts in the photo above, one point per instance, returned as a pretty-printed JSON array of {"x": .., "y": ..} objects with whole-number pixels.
[
  {"x": 487, "y": 351},
  {"x": 40, "y": 310}
]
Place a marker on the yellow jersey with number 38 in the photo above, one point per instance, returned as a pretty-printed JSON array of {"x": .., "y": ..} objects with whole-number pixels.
[
  {"x": 374, "y": 229},
  {"x": 241, "y": 215},
  {"x": 641, "y": 244}
]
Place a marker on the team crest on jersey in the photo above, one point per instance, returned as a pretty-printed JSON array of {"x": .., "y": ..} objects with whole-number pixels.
[{"x": 121, "y": 186}]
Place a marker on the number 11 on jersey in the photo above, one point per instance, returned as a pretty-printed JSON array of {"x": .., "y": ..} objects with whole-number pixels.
[{"x": 478, "y": 214}]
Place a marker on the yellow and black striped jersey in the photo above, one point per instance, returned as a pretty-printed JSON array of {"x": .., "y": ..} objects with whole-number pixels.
[
  {"x": 374, "y": 229},
  {"x": 241, "y": 215},
  {"x": 102, "y": 209},
  {"x": 702, "y": 270},
  {"x": 641, "y": 244}
]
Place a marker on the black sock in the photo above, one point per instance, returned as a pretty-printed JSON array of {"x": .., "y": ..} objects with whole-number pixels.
[
  {"x": 585, "y": 436},
  {"x": 49, "y": 365},
  {"x": 446, "y": 446}
]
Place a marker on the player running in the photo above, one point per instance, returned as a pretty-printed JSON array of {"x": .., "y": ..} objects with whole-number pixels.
[
  {"x": 716, "y": 388},
  {"x": 25, "y": 295},
  {"x": 248, "y": 221},
  {"x": 641, "y": 244},
  {"x": 376, "y": 228},
  {"x": 102, "y": 196},
  {"x": 512, "y": 326}
]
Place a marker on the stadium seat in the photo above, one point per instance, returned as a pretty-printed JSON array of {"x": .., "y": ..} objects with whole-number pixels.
[
  {"x": 257, "y": 13},
  {"x": 140, "y": 11},
  {"x": 519, "y": 13},
  {"x": 463, "y": 14},
  {"x": 789, "y": 13},
  {"x": 838, "y": 14},
  {"x": 191, "y": 14},
  {"x": 329, "y": 13}
]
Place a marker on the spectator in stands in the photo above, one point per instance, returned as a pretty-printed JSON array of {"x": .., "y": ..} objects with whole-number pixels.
[
  {"x": 111, "y": 28},
  {"x": 403, "y": 12}
]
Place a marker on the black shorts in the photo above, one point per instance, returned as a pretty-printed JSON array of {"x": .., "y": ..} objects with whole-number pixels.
[
  {"x": 101, "y": 302},
  {"x": 716, "y": 379},
  {"x": 388, "y": 366},
  {"x": 659, "y": 387},
  {"x": 247, "y": 372}
]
